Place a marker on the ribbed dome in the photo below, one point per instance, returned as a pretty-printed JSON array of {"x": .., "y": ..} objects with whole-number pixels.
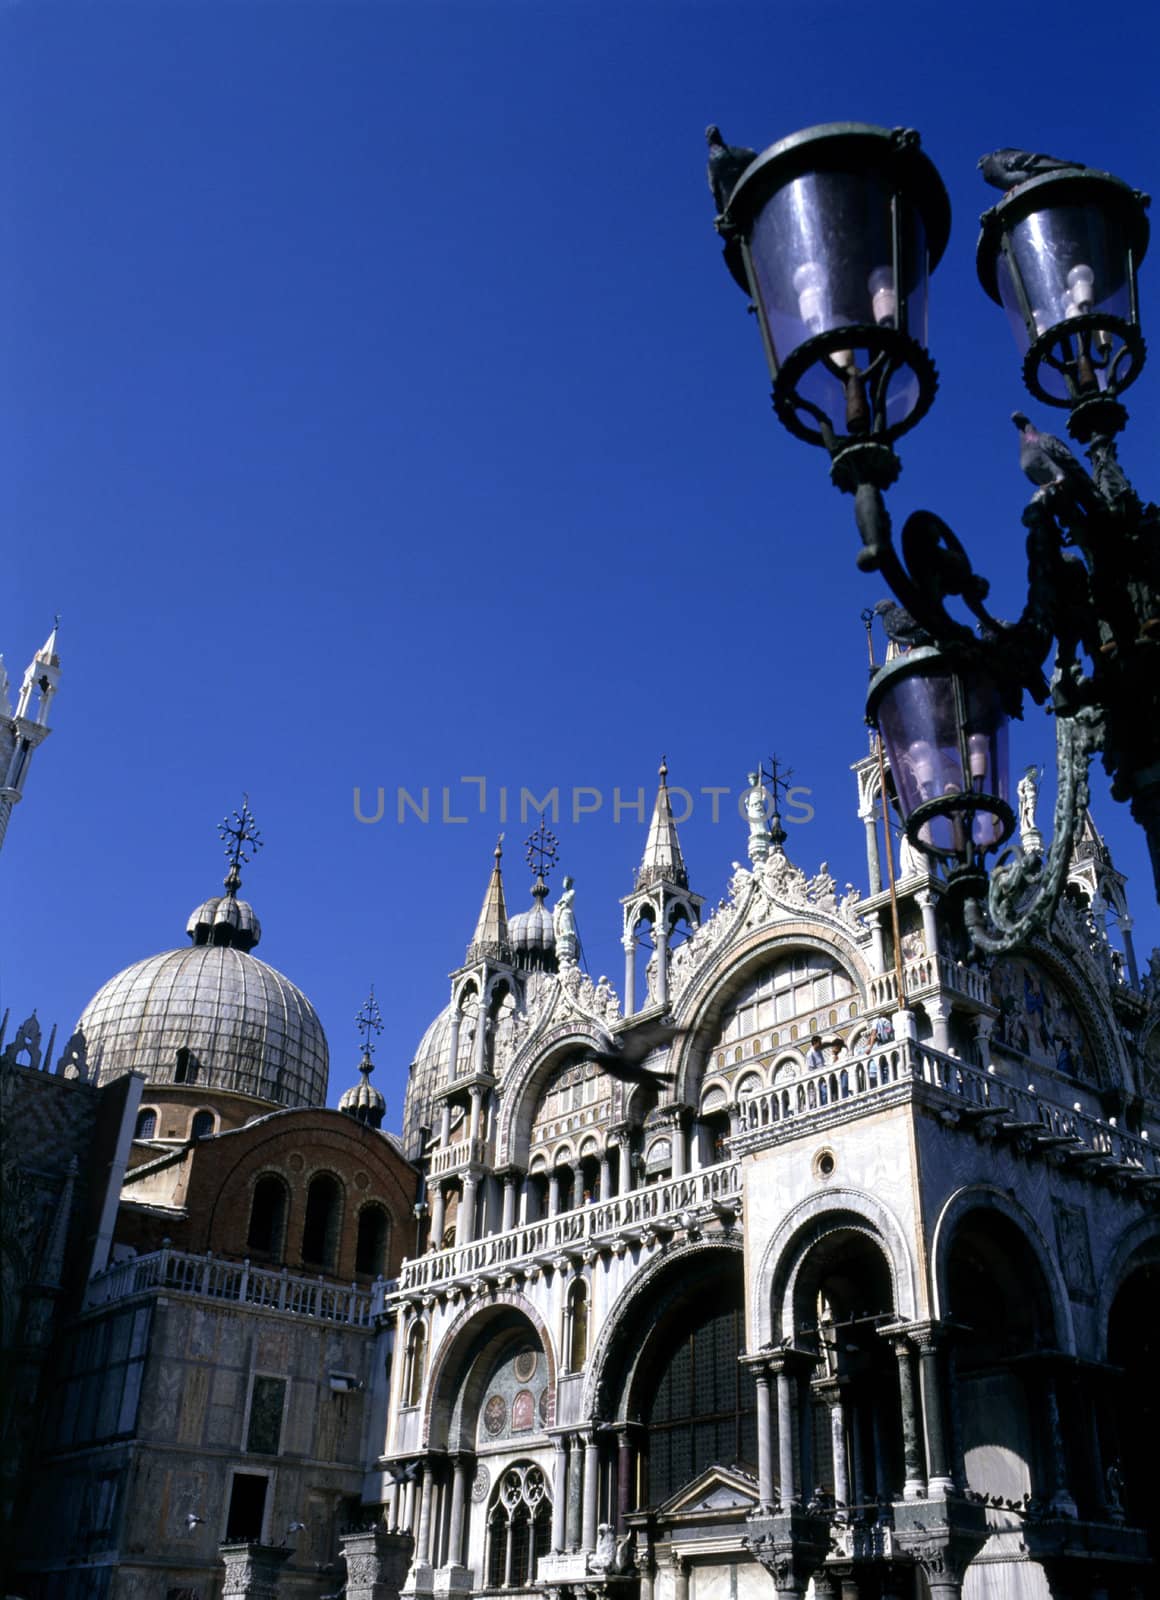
[
  {"x": 213, "y": 1015},
  {"x": 532, "y": 935},
  {"x": 362, "y": 1100},
  {"x": 427, "y": 1072}
]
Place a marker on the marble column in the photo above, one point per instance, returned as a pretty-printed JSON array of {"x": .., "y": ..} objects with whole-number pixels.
[
  {"x": 873, "y": 865},
  {"x": 575, "y": 1491},
  {"x": 445, "y": 1124},
  {"x": 553, "y": 1192},
  {"x": 629, "y": 974},
  {"x": 509, "y": 1202},
  {"x": 765, "y": 1489},
  {"x": 680, "y": 1576},
  {"x": 925, "y": 899},
  {"x": 805, "y": 1433},
  {"x": 423, "y": 1541},
  {"x": 438, "y": 1208},
  {"x": 458, "y": 1501},
  {"x": 1061, "y": 1497},
  {"x": 677, "y": 1137},
  {"x": 476, "y": 1105},
  {"x": 877, "y": 944},
  {"x": 938, "y": 1462},
  {"x": 788, "y": 1488},
  {"x": 559, "y": 1493},
  {"x": 832, "y": 1393},
  {"x": 624, "y": 1170},
  {"x": 939, "y": 1012},
  {"x": 605, "y": 1175},
  {"x": 915, "y": 1486},
  {"x": 465, "y": 1221},
  {"x": 591, "y": 1489}
]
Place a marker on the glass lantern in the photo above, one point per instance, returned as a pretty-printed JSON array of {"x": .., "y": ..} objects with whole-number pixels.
[
  {"x": 944, "y": 729},
  {"x": 1060, "y": 253},
  {"x": 836, "y": 231}
]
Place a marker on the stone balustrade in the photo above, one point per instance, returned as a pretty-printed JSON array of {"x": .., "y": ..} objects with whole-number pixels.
[
  {"x": 587, "y": 1225},
  {"x": 924, "y": 974},
  {"x": 210, "y": 1277},
  {"x": 464, "y": 1152},
  {"x": 894, "y": 1070}
]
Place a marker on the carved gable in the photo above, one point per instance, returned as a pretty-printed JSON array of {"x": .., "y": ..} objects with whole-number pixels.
[{"x": 719, "y": 1494}]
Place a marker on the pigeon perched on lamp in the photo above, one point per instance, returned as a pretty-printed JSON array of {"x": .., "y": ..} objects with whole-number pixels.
[
  {"x": 900, "y": 626},
  {"x": 1009, "y": 167},
  {"x": 1044, "y": 458},
  {"x": 726, "y": 164}
]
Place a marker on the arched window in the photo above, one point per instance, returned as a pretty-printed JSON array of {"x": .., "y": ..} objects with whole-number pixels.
[
  {"x": 413, "y": 1370},
  {"x": 576, "y": 1325},
  {"x": 146, "y": 1125},
  {"x": 519, "y": 1527},
  {"x": 184, "y": 1066},
  {"x": 268, "y": 1208},
  {"x": 323, "y": 1222},
  {"x": 370, "y": 1254},
  {"x": 699, "y": 1405},
  {"x": 202, "y": 1125}
]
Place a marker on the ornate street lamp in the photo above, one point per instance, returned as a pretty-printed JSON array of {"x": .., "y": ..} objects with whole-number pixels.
[{"x": 833, "y": 234}]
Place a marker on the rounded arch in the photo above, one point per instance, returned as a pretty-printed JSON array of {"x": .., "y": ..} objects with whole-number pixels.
[
  {"x": 322, "y": 1222},
  {"x": 1137, "y": 1246},
  {"x": 701, "y": 1006},
  {"x": 528, "y": 1079},
  {"x": 620, "y": 1353},
  {"x": 269, "y": 1214},
  {"x": 985, "y": 1197},
  {"x": 850, "y": 1209},
  {"x": 465, "y": 1357},
  {"x": 146, "y": 1124},
  {"x": 203, "y": 1123}
]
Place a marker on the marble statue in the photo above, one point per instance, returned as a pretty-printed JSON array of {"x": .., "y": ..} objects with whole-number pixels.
[
  {"x": 756, "y": 812},
  {"x": 564, "y": 925},
  {"x": 1027, "y": 793}
]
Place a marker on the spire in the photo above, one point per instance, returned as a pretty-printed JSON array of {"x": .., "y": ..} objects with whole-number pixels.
[
  {"x": 662, "y": 861},
  {"x": 491, "y": 931},
  {"x": 22, "y": 731},
  {"x": 364, "y": 1102},
  {"x": 43, "y": 677}
]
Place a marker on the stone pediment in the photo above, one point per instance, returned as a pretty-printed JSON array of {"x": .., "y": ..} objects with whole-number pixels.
[{"x": 717, "y": 1494}]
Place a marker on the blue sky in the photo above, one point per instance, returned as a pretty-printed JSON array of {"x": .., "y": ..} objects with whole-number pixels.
[{"x": 376, "y": 410}]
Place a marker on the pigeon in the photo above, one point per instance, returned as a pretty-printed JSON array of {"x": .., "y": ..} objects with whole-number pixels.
[
  {"x": 192, "y": 1519},
  {"x": 726, "y": 164},
  {"x": 1007, "y": 168},
  {"x": 1044, "y": 458},
  {"x": 624, "y": 1056},
  {"x": 899, "y": 625}
]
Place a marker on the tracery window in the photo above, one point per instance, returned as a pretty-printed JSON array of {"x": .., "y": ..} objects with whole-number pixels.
[{"x": 519, "y": 1527}]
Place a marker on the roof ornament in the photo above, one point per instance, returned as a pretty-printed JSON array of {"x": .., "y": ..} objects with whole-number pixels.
[
  {"x": 777, "y": 777},
  {"x": 543, "y": 853},
  {"x": 369, "y": 1023},
  {"x": 242, "y": 841}
]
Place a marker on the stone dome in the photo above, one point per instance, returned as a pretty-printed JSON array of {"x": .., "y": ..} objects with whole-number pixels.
[
  {"x": 212, "y": 1015},
  {"x": 362, "y": 1100},
  {"x": 532, "y": 934},
  {"x": 428, "y": 1071}
]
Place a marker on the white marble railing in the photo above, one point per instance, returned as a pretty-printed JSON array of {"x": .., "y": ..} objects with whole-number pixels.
[
  {"x": 1086, "y": 1139},
  {"x": 453, "y": 1156},
  {"x": 923, "y": 973},
  {"x": 601, "y": 1219},
  {"x": 209, "y": 1277}
]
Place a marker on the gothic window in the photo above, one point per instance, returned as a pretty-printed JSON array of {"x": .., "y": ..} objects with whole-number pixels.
[
  {"x": 267, "y": 1231},
  {"x": 146, "y": 1125},
  {"x": 700, "y": 1406},
  {"x": 202, "y": 1125},
  {"x": 371, "y": 1247},
  {"x": 519, "y": 1527},
  {"x": 413, "y": 1370},
  {"x": 323, "y": 1222},
  {"x": 576, "y": 1325}
]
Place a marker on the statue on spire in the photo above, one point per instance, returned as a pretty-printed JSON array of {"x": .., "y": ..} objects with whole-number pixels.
[{"x": 1027, "y": 792}]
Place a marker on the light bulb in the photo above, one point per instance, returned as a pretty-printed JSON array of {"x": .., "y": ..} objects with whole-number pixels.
[
  {"x": 1080, "y": 283},
  {"x": 882, "y": 296},
  {"x": 809, "y": 284},
  {"x": 977, "y": 757},
  {"x": 925, "y": 768}
]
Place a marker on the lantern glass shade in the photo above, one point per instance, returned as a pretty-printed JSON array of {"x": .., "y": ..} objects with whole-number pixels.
[
  {"x": 945, "y": 736},
  {"x": 838, "y": 228},
  {"x": 1060, "y": 254},
  {"x": 822, "y": 249}
]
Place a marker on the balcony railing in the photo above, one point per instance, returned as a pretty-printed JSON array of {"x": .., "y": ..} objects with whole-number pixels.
[
  {"x": 1080, "y": 1139},
  {"x": 209, "y": 1277},
  {"x": 922, "y": 974},
  {"x": 460, "y": 1154},
  {"x": 639, "y": 1209}
]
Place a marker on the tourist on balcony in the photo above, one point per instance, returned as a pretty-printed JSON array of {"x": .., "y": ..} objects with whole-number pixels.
[
  {"x": 815, "y": 1056},
  {"x": 883, "y": 1030}
]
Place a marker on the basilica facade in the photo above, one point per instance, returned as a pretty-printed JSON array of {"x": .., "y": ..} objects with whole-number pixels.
[{"x": 818, "y": 1260}]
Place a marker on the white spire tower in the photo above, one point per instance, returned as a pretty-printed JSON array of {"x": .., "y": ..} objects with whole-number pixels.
[{"x": 22, "y": 731}]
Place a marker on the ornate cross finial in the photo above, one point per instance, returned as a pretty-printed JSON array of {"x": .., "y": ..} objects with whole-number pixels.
[
  {"x": 369, "y": 1022},
  {"x": 777, "y": 778},
  {"x": 543, "y": 850},
  {"x": 242, "y": 841},
  {"x": 240, "y": 833}
]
